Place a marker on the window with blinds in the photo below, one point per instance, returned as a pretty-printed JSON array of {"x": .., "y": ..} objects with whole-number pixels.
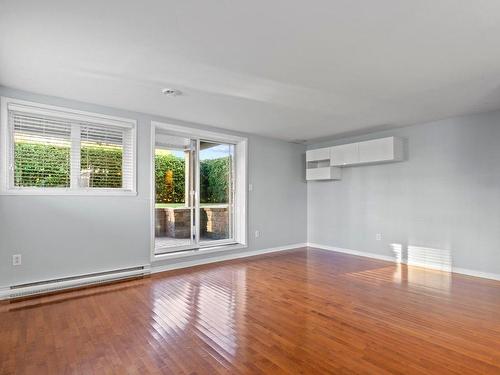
[
  {"x": 59, "y": 149},
  {"x": 41, "y": 150},
  {"x": 101, "y": 157}
]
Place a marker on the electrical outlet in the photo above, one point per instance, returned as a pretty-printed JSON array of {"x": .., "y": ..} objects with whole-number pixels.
[
  {"x": 16, "y": 259},
  {"x": 250, "y": 187},
  {"x": 257, "y": 234},
  {"x": 378, "y": 236}
]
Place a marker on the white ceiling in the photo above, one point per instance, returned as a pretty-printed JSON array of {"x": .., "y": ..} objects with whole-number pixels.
[{"x": 288, "y": 69}]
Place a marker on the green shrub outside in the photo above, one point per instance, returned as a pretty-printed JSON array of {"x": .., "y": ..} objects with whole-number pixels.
[
  {"x": 40, "y": 165},
  {"x": 106, "y": 165},
  {"x": 214, "y": 179},
  {"x": 169, "y": 192}
]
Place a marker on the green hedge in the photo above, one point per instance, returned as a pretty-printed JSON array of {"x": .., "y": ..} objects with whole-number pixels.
[
  {"x": 169, "y": 179},
  {"x": 41, "y": 165},
  {"x": 214, "y": 180},
  {"x": 106, "y": 165},
  {"x": 49, "y": 166}
]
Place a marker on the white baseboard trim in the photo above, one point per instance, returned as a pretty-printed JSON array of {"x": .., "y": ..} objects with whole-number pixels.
[
  {"x": 352, "y": 252},
  {"x": 484, "y": 275},
  {"x": 40, "y": 288},
  {"x": 7, "y": 292},
  {"x": 222, "y": 257},
  {"x": 463, "y": 271}
]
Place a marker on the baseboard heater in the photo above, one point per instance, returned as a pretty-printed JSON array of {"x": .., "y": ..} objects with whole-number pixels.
[{"x": 54, "y": 285}]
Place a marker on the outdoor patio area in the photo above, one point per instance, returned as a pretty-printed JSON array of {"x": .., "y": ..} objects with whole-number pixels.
[{"x": 173, "y": 225}]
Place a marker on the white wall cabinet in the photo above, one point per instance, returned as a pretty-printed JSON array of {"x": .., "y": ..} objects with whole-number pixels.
[
  {"x": 318, "y": 165},
  {"x": 323, "y": 173},
  {"x": 325, "y": 163},
  {"x": 318, "y": 154},
  {"x": 368, "y": 152},
  {"x": 344, "y": 155},
  {"x": 381, "y": 150}
]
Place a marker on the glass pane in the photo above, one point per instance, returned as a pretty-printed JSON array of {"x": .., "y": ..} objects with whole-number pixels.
[
  {"x": 173, "y": 202},
  {"x": 41, "y": 151},
  {"x": 101, "y": 157},
  {"x": 216, "y": 191}
]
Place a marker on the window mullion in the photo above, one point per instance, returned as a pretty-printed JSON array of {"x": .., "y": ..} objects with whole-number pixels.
[
  {"x": 11, "y": 152},
  {"x": 75, "y": 156}
]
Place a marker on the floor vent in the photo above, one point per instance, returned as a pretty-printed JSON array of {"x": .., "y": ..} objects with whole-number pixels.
[{"x": 54, "y": 285}]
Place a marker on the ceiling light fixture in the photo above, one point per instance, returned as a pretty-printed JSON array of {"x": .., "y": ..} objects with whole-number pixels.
[{"x": 171, "y": 92}]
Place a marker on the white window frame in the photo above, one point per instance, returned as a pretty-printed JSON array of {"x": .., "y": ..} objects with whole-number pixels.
[
  {"x": 240, "y": 231},
  {"x": 6, "y": 145}
]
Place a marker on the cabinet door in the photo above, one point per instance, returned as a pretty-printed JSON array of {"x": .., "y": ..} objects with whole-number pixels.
[
  {"x": 344, "y": 154},
  {"x": 318, "y": 173},
  {"x": 324, "y": 173},
  {"x": 318, "y": 154},
  {"x": 376, "y": 150}
]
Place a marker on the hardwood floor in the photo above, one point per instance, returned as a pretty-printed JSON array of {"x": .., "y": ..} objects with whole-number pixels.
[{"x": 304, "y": 311}]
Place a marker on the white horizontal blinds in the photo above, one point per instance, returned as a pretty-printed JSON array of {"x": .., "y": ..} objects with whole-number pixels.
[
  {"x": 40, "y": 150},
  {"x": 103, "y": 163}
]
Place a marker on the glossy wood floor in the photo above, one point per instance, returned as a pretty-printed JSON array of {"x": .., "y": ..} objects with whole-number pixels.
[{"x": 304, "y": 311}]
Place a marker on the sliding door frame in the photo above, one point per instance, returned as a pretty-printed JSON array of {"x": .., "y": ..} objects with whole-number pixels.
[
  {"x": 191, "y": 201},
  {"x": 232, "y": 218},
  {"x": 239, "y": 194}
]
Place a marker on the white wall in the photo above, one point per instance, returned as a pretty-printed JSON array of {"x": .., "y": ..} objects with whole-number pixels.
[
  {"x": 67, "y": 235},
  {"x": 440, "y": 205}
]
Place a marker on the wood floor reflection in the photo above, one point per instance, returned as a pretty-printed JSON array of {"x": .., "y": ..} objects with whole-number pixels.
[{"x": 305, "y": 311}]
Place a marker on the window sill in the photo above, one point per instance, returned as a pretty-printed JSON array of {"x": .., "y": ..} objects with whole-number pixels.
[
  {"x": 192, "y": 253},
  {"x": 63, "y": 191}
]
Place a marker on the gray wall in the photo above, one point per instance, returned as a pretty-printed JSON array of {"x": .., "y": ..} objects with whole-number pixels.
[
  {"x": 66, "y": 235},
  {"x": 442, "y": 203}
]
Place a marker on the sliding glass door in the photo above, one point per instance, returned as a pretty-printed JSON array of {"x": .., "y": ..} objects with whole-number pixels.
[
  {"x": 194, "y": 193},
  {"x": 175, "y": 159},
  {"x": 216, "y": 175}
]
